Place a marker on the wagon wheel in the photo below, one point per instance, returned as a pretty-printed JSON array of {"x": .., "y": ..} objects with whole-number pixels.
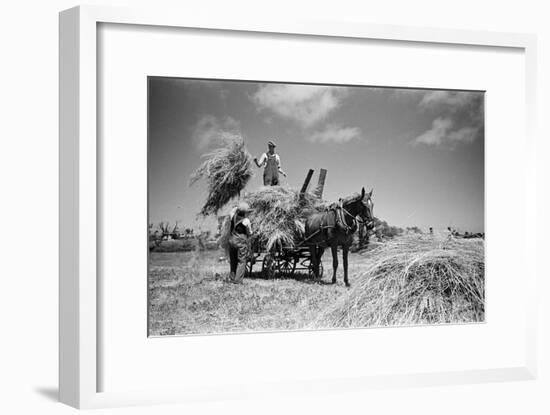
[
  {"x": 321, "y": 270},
  {"x": 269, "y": 266},
  {"x": 287, "y": 266}
]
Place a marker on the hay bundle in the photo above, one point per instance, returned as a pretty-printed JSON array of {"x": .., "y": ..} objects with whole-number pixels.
[
  {"x": 277, "y": 216},
  {"x": 416, "y": 280},
  {"x": 226, "y": 170}
]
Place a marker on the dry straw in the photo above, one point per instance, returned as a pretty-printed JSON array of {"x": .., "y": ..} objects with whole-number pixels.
[
  {"x": 226, "y": 170},
  {"x": 415, "y": 280},
  {"x": 277, "y": 216}
]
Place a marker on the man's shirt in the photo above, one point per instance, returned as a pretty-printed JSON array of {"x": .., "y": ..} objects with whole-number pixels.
[{"x": 263, "y": 160}]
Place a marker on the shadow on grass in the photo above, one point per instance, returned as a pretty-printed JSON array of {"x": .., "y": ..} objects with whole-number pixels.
[{"x": 303, "y": 277}]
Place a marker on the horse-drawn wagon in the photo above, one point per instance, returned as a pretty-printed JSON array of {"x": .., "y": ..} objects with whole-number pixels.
[
  {"x": 283, "y": 261},
  {"x": 290, "y": 230},
  {"x": 326, "y": 226},
  {"x": 284, "y": 257},
  {"x": 330, "y": 228}
]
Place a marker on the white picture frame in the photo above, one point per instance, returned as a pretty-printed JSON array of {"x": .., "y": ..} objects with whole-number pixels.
[{"x": 78, "y": 348}]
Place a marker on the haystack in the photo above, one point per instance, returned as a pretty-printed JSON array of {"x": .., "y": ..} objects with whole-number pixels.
[
  {"x": 277, "y": 216},
  {"x": 226, "y": 171},
  {"x": 415, "y": 280}
]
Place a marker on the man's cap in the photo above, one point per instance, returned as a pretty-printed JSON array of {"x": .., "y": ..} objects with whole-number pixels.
[
  {"x": 243, "y": 207},
  {"x": 271, "y": 143}
]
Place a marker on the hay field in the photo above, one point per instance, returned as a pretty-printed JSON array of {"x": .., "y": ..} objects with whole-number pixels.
[{"x": 416, "y": 279}]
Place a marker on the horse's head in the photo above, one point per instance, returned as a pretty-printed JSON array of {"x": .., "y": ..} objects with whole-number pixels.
[
  {"x": 366, "y": 208},
  {"x": 360, "y": 205}
]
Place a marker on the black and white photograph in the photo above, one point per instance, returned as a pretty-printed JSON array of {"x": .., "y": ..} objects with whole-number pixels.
[{"x": 286, "y": 206}]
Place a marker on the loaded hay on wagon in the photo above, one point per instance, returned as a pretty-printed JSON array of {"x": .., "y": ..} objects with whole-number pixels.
[{"x": 278, "y": 215}]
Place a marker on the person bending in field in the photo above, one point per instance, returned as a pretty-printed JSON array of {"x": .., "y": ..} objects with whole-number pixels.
[
  {"x": 271, "y": 162},
  {"x": 239, "y": 248}
]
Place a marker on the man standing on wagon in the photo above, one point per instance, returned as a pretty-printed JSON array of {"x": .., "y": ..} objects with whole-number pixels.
[
  {"x": 239, "y": 248},
  {"x": 271, "y": 162}
]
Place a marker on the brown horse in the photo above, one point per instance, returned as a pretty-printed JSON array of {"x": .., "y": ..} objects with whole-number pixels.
[{"x": 335, "y": 228}]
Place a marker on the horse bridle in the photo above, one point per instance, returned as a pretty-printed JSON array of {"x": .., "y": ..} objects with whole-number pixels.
[
  {"x": 355, "y": 218},
  {"x": 345, "y": 225}
]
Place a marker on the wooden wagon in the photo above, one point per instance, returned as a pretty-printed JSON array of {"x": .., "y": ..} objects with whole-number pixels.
[{"x": 284, "y": 261}]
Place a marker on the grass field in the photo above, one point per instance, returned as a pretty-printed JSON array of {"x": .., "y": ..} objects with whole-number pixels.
[{"x": 188, "y": 295}]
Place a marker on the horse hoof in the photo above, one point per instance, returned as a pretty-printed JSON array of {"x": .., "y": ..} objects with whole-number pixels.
[{"x": 348, "y": 284}]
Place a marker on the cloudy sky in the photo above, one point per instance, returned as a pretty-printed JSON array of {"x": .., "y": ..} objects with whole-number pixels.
[{"x": 422, "y": 151}]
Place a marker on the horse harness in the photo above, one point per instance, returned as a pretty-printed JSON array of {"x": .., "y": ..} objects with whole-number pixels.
[
  {"x": 340, "y": 214},
  {"x": 339, "y": 218}
]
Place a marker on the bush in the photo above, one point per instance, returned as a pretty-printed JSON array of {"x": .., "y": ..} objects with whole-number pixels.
[
  {"x": 185, "y": 245},
  {"x": 385, "y": 230}
]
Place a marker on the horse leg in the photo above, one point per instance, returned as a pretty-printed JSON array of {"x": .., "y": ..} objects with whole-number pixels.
[
  {"x": 345, "y": 250},
  {"x": 313, "y": 261},
  {"x": 334, "y": 249},
  {"x": 320, "y": 252}
]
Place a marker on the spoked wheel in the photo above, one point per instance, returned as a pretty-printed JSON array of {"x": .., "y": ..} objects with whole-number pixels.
[
  {"x": 287, "y": 266},
  {"x": 312, "y": 273}
]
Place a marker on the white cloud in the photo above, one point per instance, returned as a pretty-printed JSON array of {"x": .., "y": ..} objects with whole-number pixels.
[
  {"x": 436, "y": 134},
  {"x": 453, "y": 99},
  {"x": 442, "y": 132},
  {"x": 465, "y": 134},
  {"x": 210, "y": 128},
  {"x": 336, "y": 134},
  {"x": 305, "y": 104},
  {"x": 462, "y": 120}
]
